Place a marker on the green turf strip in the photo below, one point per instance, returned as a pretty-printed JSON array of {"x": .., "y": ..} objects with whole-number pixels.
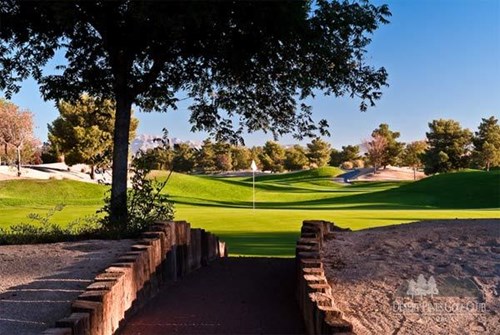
[{"x": 224, "y": 205}]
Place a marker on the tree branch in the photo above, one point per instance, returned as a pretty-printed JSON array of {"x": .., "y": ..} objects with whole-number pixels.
[{"x": 148, "y": 78}]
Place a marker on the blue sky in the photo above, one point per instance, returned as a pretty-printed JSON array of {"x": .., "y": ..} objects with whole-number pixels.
[{"x": 443, "y": 59}]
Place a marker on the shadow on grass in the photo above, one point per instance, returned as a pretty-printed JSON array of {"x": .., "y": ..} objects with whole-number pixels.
[
  {"x": 334, "y": 203},
  {"x": 403, "y": 197},
  {"x": 284, "y": 187},
  {"x": 267, "y": 244}
]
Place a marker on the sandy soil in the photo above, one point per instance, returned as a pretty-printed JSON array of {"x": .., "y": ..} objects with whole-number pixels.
[
  {"x": 370, "y": 273},
  {"x": 48, "y": 171},
  {"x": 392, "y": 173},
  {"x": 39, "y": 282}
]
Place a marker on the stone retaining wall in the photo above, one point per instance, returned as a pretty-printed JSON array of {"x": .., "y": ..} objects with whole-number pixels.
[
  {"x": 314, "y": 294},
  {"x": 168, "y": 251}
]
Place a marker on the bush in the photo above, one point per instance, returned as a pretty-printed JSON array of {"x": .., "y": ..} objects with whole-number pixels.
[
  {"x": 358, "y": 163},
  {"x": 347, "y": 166},
  {"x": 145, "y": 202},
  {"x": 40, "y": 229}
]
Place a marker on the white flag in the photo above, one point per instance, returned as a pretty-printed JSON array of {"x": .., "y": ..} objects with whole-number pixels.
[{"x": 253, "y": 166}]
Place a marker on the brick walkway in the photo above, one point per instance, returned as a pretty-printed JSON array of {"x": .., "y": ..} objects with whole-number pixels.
[{"x": 231, "y": 296}]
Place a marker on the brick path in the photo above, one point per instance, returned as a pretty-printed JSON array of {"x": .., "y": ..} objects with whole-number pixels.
[{"x": 230, "y": 296}]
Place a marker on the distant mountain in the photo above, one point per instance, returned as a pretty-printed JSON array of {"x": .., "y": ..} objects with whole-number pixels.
[{"x": 147, "y": 141}]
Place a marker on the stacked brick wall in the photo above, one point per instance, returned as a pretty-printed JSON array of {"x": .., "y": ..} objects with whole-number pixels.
[
  {"x": 168, "y": 251},
  {"x": 314, "y": 293}
]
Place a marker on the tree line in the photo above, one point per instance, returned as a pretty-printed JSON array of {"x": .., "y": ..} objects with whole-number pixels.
[
  {"x": 447, "y": 147},
  {"x": 216, "y": 157},
  {"x": 83, "y": 134}
]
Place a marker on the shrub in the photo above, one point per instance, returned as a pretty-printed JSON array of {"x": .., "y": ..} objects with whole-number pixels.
[
  {"x": 347, "y": 166},
  {"x": 145, "y": 202},
  {"x": 358, "y": 163},
  {"x": 40, "y": 229}
]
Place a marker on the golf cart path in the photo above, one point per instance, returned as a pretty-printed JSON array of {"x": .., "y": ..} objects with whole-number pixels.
[{"x": 230, "y": 296}]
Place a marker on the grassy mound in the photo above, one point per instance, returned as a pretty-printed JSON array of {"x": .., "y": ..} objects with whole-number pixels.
[
  {"x": 49, "y": 192},
  {"x": 469, "y": 189},
  {"x": 314, "y": 189}
]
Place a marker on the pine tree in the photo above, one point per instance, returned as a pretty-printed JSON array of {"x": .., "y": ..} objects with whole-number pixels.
[
  {"x": 318, "y": 153},
  {"x": 487, "y": 143}
]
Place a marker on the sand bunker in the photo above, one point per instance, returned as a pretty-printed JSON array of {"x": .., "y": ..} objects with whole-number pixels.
[{"x": 433, "y": 277}]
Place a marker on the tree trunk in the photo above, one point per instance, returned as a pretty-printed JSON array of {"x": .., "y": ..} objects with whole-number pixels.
[
  {"x": 18, "y": 149},
  {"x": 118, "y": 205},
  {"x": 92, "y": 171},
  {"x": 414, "y": 173},
  {"x": 488, "y": 166}
]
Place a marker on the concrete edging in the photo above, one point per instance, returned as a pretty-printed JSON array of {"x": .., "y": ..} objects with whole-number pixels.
[
  {"x": 166, "y": 252},
  {"x": 314, "y": 294}
]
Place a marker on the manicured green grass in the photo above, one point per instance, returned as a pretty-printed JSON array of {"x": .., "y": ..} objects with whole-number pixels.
[
  {"x": 274, "y": 232},
  {"x": 224, "y": 205},
  {"x": 49, "y": 192}
]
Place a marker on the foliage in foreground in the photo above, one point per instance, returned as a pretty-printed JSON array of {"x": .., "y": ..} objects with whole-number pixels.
[
  {"x": 146, "y": 203},
  {"x": 217, "y": 53},
  {"x": 41, "y": 229}
]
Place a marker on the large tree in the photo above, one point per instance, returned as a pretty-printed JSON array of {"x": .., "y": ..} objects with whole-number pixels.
[
  {"x": 349, "y": 153},
  {"x": 272, "y": 157},
  {"x": 487, "y": 143},
  {"x": 223, "y": 160},
  {"x": 376, "y": 147},
  {"x": 16, "y": 130},
  {"x": 412, "y": 155},
  {"x": 83, "y": 132},
  {"x": 318, "y": 152},
  {"x": 184, "y": 158},
  {"x": 250, "y": 61},
  {"x": 449, "y": 147},
  {"x": 295, "y": 158},
  {"x": 205, "y": 157},
  {"x": 393, "y": 148},
  {"x": 241, "y": 157}
]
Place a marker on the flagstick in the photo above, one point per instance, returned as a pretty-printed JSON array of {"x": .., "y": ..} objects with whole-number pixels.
[
  {"x": 253, "y": 186},
  {"x": 254, "y": 168}
]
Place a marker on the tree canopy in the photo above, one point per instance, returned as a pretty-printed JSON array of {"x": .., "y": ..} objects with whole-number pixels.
[
  {"x": 272, "y": 157},
  {"x": 241, "y": 158},
  {"x": 244, "y": 64},
  {"x": 84, "y": 131},
  {"x": 412, "y": 155},
  {"x": 393, "y": 148},
  {"x": 349, "y": 153},
  {"x": 487, "y": 143},
  {"x": 16, "y": 131},
  {"x": 205, "y": 157},
  {"x": 296, "y": 158},
  {"x": 448, "y": 148},
  {"x": 318, "y": 152},
  {"x": 376, "y": 149}
]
